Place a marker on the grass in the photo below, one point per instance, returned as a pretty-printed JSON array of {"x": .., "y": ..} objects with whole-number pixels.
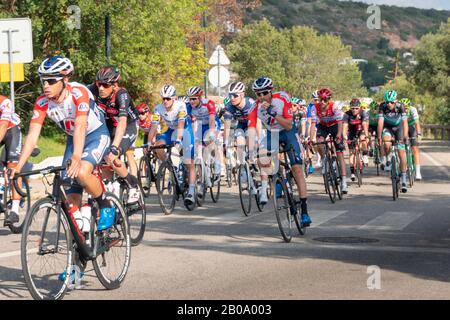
[{"x": 50, "y": 147}]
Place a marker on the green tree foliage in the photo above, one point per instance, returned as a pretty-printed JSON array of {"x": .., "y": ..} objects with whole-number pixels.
[
  {"x": 149, "y": 41},
  {"x": 298, "y": 60}
]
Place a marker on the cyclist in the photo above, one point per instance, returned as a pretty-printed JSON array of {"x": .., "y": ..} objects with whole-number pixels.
[
  {"x": 275, "y": 113},
  {"x": 329, "y": 117},
  {"x": 72, "y": 107},
  {"x": 299, "y": 112},
  {"x": 415, "y": 133},
  {"x": 315, "y": 97},
  {"x": 356, "y": 124},
  {"x": 175, "y": 127},
  {"x": 121, "y": 117},
  {"x": 145, "y": 120},
  {"x": 11, "y": 139},
  {"x": 392, "y": 122},
  {"x": 238, "y": 109},
  {"x": 208, "y": 124}
]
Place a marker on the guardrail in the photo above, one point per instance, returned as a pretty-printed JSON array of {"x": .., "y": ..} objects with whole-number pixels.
[{"x": 436, "y": 131}]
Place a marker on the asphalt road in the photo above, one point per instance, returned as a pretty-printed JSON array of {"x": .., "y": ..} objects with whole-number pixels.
[{"x": 363, "y": 247}]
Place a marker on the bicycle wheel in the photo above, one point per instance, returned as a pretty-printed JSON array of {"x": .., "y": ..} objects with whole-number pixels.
[
  {"x": 137, "y": 216},
  {"x": 394, "y": 178},
  {"x": 144, "y": 177},
  {"x": 200, "y": 184},
  {"x": 245, "y": 195},
  {"x": 296, "y": 211},
  {"x": 410, "y": 166},
  {"x": 377, "y": 159},
  {"x": 25, "y": 204},
  {"x": 113, "y": 247},
  {"x": 336, "y": 173},
  {"x": 358, "y": 168},
  {"x": 229, "y": 176},
  {"x": 42, "y": 262},
  {"x": 282, "y": 208},
  {"x": 215, "y": 184},
  {"x": 328, "y": 179},
  {"x": 166, "y": 187},
  {"x": 259, "y": 205}
]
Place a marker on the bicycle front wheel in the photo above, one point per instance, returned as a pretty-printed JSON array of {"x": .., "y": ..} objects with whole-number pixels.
[
  {"x": 113, "y": 247},
  {"x": 394, "y": 178},
  {"x": 144, "y": 176},
  {"x": 137, "y": 216},
  {"x": 25, "y": 204},
  {"x": 43, "y": 261},
  {"x": 215, "y": 184},
  {"x": 245, "y": 194},
  {"x": 166, "y": 187},
  {"x": 282, "y": 208},
  {"x": 200, "y": 184}
]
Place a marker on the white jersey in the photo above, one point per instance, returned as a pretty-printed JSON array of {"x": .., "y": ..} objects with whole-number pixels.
[{"x": 168, "y": 119}]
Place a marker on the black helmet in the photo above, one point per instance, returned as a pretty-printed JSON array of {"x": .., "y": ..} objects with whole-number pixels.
[{"x": 108, "y": 74}]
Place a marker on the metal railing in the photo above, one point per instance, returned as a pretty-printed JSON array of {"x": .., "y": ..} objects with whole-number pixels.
[{"x": 436, "y": 131}]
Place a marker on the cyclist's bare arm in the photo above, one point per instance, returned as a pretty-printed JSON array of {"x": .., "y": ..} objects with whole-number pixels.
[
  {"x": 152, "y": 133},
  {"x": 79, "y": 135},
  {"x": 226, "y": 130},
  {"x": 180, "y": 130},
  {"x": 120, "y": 131},
  {"x": 345, "y": 130},
  {"x": 380, "y": 127},
  {"x": 365, "y": 125}
]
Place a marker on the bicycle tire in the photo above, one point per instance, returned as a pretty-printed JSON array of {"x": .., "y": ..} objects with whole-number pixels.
[
  {"x": 394, "y": 178},
  {"x": 297, "y": 217},
  {"x": 336, "y": 172},
  {"x": 358, "y": 168},
  {"x": 215, "y": 185},
  {"x": 137, "y": 216},
  {"x": 330, "y": 185},
  {"x": 244, "y": 189},
  {"x": 123, "y": 240},
  {"x": 200, "y": 185},
  {"x": 282, "y": 209},
  {"x": 17, "y": 227},
  {"x": 28, "y": 251},
  {"x": 144, "y": 177},
  {"x": 229, "y": 176},
  {"x": 166, "y": 180}
]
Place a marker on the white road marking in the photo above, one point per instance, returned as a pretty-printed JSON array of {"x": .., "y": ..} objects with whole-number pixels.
[
  {"x": 392, "y": 221},
  {"x": 439, "y": 165},
  {"x": 321, "y": 216}
]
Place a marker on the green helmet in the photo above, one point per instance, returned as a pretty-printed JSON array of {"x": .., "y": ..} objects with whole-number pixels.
[
  {"x": 406, "y": 102},
  {"x": 226, "y": 100},
  {"x": 390, "y": 96},
  {"x": 373, "y": 105},
  {"x": 295, "y": 100}
]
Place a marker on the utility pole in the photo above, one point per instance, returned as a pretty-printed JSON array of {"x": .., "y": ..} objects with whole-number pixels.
[
  {"x": 205, "y": 46},
  {"x": 107, "y": 39}
]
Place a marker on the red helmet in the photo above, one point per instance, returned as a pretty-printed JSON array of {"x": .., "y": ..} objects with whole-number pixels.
[
  {"x": 143, "y": 107},
  {"x": 355, "y": 103},
  {"x": 325, "y": 94}
]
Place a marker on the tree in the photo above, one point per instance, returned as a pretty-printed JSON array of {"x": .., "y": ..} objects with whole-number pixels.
[{"x": 298, "y": 60}]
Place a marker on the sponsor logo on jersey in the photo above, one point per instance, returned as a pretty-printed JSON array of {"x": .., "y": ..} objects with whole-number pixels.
[
  {"x": 112, "y": 111},
  {"x": 182, "y": 114},
  {"x": 35, "y": 114},
  {"x": 83, "y": 107},
  {"x": 77, "y": 93},
  {"x": 155, "y": 118}
]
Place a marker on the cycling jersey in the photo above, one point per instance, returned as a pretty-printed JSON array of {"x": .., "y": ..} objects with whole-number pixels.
[
  {"x": 145, "y": 124},
  {"x": 118, "y": 105},
  {"x": 79, "y": 101},
  {"x": 413, "y": 116},
  {"x": 7, "y": 112},
  {"x": 355, "y": 121},
  {"x": 299, "y": 118},
  {"x": 331, "y": 116},
  {"x": 394, "y": 117},
  {"x": 168, "y": 119},
  {"x": 203, "y": 111},
  {"x": 281, "y": 105},
  {"x": 373, "y": 119},
  {"x": 240, "y": 115}
]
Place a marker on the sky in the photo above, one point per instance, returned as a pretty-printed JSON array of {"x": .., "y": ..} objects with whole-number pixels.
[{"x": 428, "y": 4}]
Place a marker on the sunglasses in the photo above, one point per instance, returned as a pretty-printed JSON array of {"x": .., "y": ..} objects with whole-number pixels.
[
  {"x": 233, "y": 95},
  {"x": 49, "y": 81},
  {"x": 193, "y": 99},
  {"x": 142, "y": 113},
  {"x": 354, "y": 108},
  {"x": 104, "y": 85},
  {"x": 262, "y": 94},
  {"x": 167, "y": 99},
  {"x": 391, "y": 102}
]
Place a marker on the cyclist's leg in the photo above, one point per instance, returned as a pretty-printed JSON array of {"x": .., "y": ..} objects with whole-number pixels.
[
  {"x": 333, "y": 130},
  {"x": 188, "y": 159},
  {"x": 130, "y": 157},
  {"x": 415, "y": 149},
  {"x": 269, "y": 143},
  {"x": 321, "y": 135},
  {"x": 163, "y": 138},
  {"x": 351, "y": 149},
  {"x": 240, "y": 135}
]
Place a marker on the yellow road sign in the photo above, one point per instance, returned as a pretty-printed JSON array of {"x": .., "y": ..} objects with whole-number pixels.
[{"x": 18, "y": 72}]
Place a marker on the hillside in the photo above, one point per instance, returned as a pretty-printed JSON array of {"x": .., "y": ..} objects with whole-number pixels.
[{"x": 401, "y": 28}]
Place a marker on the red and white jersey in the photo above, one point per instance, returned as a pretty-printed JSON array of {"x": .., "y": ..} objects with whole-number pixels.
[
  {"x": 7, "y": 112},
  {"x": 146, "y": 124},
  {"x": 331, "y": 116},
  {"x": 204, "y": 111},
  {"x": 281, "y": 104},
  {"x": 79, "y": 101}
]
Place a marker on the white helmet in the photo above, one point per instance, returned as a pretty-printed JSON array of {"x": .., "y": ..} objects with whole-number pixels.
[
  {"x": 315, "y": 94},
  {"x": 302, "y": 102},
  {"x": 168, "y": 91},
  {"x": 262, "y": 83},
  {"x": 236, "y": 87},
  {"x": 55, "y": 67},
  {"x": 195, "y": 92}
]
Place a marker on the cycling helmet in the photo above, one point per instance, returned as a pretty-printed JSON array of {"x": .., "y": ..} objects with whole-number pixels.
[
  {"x": 345, "y": 108},
  {"x": 108, "y": 74},
  {"x": 302, "y": 102},
  {"x": 295, "y": 100},
  {"x": 406, "y": 102},
  {"x": 236, "y": 87},
  {"x": 315, "y": 94},
  {"x": 168, "y": 91},
  {"x": 390, "y": 96},
  {"x": 262, "y": 84},
  {"x": 324, "y": 94},
  {"x": 143, "y": 107},
  {"x": 55, "y": 67},
  {"x": 373, "y": 105},
  {"x": 195, "y": 92},
  {"x": 355, "y": 103},
  {"x": 226, "y": 100}
]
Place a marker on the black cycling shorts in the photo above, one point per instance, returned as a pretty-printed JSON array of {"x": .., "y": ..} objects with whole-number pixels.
[
  {"x": 129, "y": 136},
  {"x": 13, "y": 145},
  {"x": 323, "y": 131}
]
